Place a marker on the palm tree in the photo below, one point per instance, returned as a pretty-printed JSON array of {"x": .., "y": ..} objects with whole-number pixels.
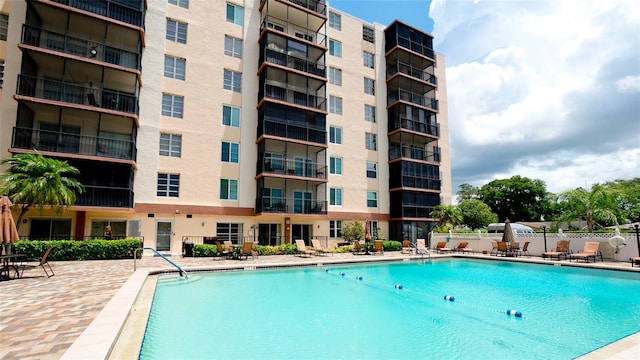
[
  {"x": 447, "y": 214},
  {"x": 34, "y": 180},
  {"x": 597, "y": 203}
]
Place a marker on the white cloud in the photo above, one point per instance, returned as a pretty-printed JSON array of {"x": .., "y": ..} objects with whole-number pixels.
[{"x": 628, "y": 84}]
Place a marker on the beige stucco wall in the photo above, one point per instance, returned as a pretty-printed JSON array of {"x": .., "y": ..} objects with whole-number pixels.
[{"x": 443, "y": 120}]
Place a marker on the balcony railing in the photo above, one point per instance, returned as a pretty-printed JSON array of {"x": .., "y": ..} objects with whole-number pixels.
[
  {"x": 127, "y": 11},
  {"x": 67, "y": 44},
  {"x": 32, "y": 139},
  {"x": 421, "y": 183},
  {"x": 416, "y": 47},
  {"x": 293, "y": 62},
  {"x": 318, "y": 6},
  {"x": 291, "y": 29},
  {"x": 418, "y": 99},
  {"x": 269, "y": 204},
  {"x": 400, "y": 151},
  {"x": 292, "y": 96},
  {"x": 273, "y": 127},
  {"x": 76, "y": 94},
  {"x": 271, "y": 165},
  {"x": 407, "y": 69},
  {"x": 431, "y": 129},
  {"x": 105, "y": 196}
]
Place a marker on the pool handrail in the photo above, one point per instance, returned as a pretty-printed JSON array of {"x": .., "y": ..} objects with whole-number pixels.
[
  {"x": 180, "y": 270},
  {"x": 420, "y": 251}
]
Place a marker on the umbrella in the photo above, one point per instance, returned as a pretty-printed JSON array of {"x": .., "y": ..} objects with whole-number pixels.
[
  {"x": 8, "y": 230},
  {"x": 507, "y": 236},
  {"x": 367, "y": 233}
]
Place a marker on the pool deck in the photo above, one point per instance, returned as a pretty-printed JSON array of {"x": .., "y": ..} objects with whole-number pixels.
[{"x": 41, "y": 318}]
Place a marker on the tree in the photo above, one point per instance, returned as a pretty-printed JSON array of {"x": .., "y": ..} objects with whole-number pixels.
[
  {"x": 597, "y": 204},
  {"x": 476, "y": 214},
  {"x": 352, "y": 230},
  {"x": 33, "y": 180},
  {"x": 446, "y": 214},
  {"x": 467, "y": 192},
  {"x": 629, "y": 198},
  {"x": 516, "y": 198}
]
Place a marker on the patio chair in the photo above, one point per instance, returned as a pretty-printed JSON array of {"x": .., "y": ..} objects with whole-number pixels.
[
  {"x": 42, "y": 262},
  {"x": 442, "y": 247},
  {"x": 247, "y": 250},
  {"x": 525, "y": 249},
  {"x": 315, "y": 243},
  {"x": 357, "y": 248},
  {"x": 224, "y": 252},
  {"x": 421, "y": 247},
  {"x": 494, "y": 248},
  {"x": 406, "y": 247},
  {"x": 590, "y": 251},
  {"x": 562, "y": 249},
  {"x": 635, "y": 261},
  {"x": 377, "y": 247},
  {"x": 502, "y": 248},
  {"x": 302, "y": 249},
  {"x": 463, "y": 247}
]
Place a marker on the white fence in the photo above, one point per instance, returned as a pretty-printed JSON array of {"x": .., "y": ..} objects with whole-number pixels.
[{"x": 482, "y": 242}]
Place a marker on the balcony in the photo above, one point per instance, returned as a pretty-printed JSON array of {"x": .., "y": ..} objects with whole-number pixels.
[
  {"x": 89, "y": 49},
  {"x": 397, "y": 151},
  {"x": 67, "y": 143},
  {"x": 403, "y": 123},
  {"x": 293, "y": 30},
  {"x": 269, "y": 204},
  {"x": 418, "y": 99},
  {"x": 318, "y": 6},
  {"x": 74, "y": 93},
  {"x": 293, "y": 62},
  {"x": 274, "y": 127},
  {"x": 415, "y": 72},
  {"x": 127, "y": 11},
  {"x": 106, "y": 197},
  {"x": 289, "y": 167},
  {"x": 277, "y": 91}
]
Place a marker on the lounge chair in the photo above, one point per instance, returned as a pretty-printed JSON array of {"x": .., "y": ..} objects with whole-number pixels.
[
  {"x": 357, "y": 249},
  {"x": 590, "y": 251},
  {"x": 42, "y": 262},
  {"x": 525, "y": 249},
  {"x": 562, "y": 249},
  {"x": 462, "y": 247},
  {"x": 635, "y": 261},
  {"x": 442, "y": 247},
  {"x": 406, "y": 247},
  {"x": 302, "y": 249},
  {"x": 494, "y": 248},
  {"x": 315, "y": 243},
  {"x": 502, "y": 248},
  {"x": 377, "y": 247},
  {"x": 421, "y": 247}
]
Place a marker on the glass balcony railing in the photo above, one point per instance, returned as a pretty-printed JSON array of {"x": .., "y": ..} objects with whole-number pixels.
[
  {"x": 270, "y": 204},
  {"x": 283, "y": 166},
  {"x": 127, "y": 11},
  {"x": 60, "y": 142},
  {"x": 67, "y": 44},
  {"x": 74, "y": 93}
]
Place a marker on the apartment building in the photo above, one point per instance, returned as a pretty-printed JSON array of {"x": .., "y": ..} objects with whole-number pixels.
[{"x": 265, "y": 120}]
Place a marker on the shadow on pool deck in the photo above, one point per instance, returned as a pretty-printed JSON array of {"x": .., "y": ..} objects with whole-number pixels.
[{"x": 40, "y": 317}]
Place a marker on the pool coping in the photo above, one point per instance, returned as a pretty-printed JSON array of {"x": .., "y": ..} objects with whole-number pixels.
[{"x": 114, "y": 333}]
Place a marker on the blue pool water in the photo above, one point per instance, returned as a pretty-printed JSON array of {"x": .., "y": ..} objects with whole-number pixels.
[{"x": 317, "y": 313}]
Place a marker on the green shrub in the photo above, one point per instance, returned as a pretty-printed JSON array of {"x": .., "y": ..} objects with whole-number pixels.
[
  {"x": 79, "y": 250},
  {"x": 344, "y": 249},
  {"x": 204, "y": 250},
  {"x": 391, "y": 245}
]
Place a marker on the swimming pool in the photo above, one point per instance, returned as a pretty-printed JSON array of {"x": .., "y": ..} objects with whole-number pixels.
[{"x": 319, "y": 313}]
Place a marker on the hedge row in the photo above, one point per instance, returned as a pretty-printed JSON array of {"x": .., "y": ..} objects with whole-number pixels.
[{"x": 79, "y": 250}]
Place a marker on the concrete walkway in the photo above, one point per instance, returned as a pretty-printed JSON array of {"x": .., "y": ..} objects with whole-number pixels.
[{"x": 41, "y": 317}]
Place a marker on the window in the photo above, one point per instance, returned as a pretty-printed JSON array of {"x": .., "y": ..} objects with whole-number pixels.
[
  {"x": 335, "y": 197},
  {"x": 1, "y": 73},
  {"x": 168, "y": 185},
  {"x": 370, "y": 141},
  {"x": 335, "y": 135},
  {"x": 228, "y": 189},
  {"x": 176, "y": 31},
  {"x": 368, "y": 59},
  {"x": 230, "y": 152},
  {"x": 229, "y": 232},
  {"x": 335, "y": 165},
  {"x": 174, "y": 67},
  {"x": 232, "y": 80},
  {"x": 230, "y": 116},
  {"x": 368, "y": 34},
  {"x": 172, "y": 105},
  {"x": 335, "y": 105},
  {"x": 235, "y": 14},
  {"x": 372, "y": 169},
  {"x": 181, "y": 3},
  {"x": 233, "y": 47},
  {"x": 370, "y": 113},
  {"x": 4, "y": 26},
  {"x": 369, "y": 86},
  {"x": 335, "y": 76},
  {"x": 170, "y": 145},
  {"x": 335, "y": 228},
  {"x": 335, "y": 20},
  {"x": 335, "y": 48},
  {"x": 372, "y": 199},
  {"x": 50, "y": 229}
]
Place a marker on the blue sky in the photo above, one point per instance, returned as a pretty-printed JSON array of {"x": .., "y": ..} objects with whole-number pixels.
[{"x": 545, "y": 89}]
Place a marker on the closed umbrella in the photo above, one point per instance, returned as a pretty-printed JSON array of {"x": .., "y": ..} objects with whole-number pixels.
[
  {"x": 367, "y": 233},
  {"x": 507, "y": 236},
  {"x": 9, "y": 232}
]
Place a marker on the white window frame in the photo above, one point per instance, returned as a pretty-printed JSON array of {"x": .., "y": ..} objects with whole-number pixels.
[
  {"x": 368, "y": 33},
  {"x": 335, "y": 165},
  {"x": 372, "y": 199},
  {"x": 233, "y": 47},
  {"x": 168, "y": 185},
  {"x": 233, "y": 148},
  {"x": 170, "y": 145},
  {"x": 371, "y": 141},
  {"x": 231, "y": 116},
  {"x": 232, "y": 81},
  {"x": 172, "y": 105},
  {"x": 370, "y": 113},
  {"x": 176, "y": 31},
  {"x": 335, "y": 48},
  {"x": 335, "y": 21},
  {"x": 369, "y": 86},
  {"x": 182, "y": 3},
  {"x": 335, "y": 196},
  {"x": 372, "y": 168},
  {"x": 368, "y": 59},
  {"x": 335, "y": 228},
  {"x": 175, "y": 67},
  {"x": 238, "y": 14},
  {"x": 335, "y": 135},
  {"x": 4, "y": 26},
  {"x": 335, "y": 105},
  {"x": 229, "y": 193},
  {"x": 335, "y": 76}
]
